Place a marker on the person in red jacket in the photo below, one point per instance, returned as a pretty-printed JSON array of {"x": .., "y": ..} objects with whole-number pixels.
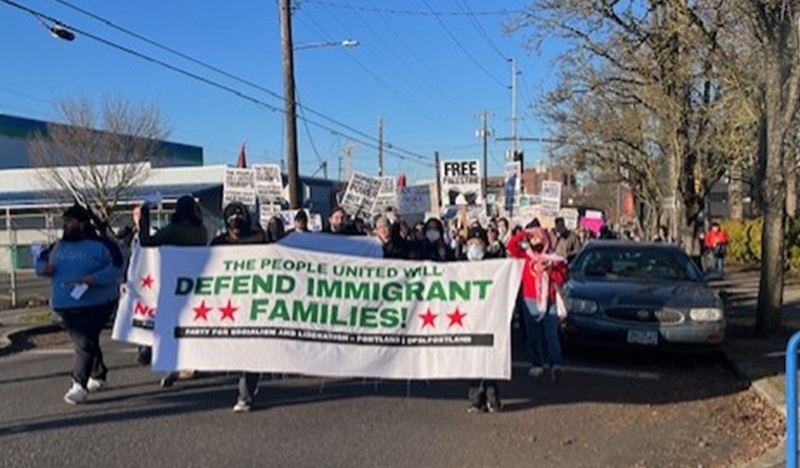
[
  {"x": 716, "y": 240},
  {"x": 542, "y": 274}
]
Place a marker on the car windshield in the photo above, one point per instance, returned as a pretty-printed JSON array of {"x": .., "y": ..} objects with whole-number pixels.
[{"x": 636, "y": 262}]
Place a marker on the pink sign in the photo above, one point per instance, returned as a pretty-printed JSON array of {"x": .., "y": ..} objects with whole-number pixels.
[{"x": 593, "y": 225}]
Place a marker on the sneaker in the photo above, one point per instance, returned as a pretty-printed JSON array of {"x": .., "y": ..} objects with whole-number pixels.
[
  {"x": 95, "y": 385},
  {"x": 76, "y": 394},
  {"x": 476, "y": 408},
  {"x": 494, "y": 406},
  {"x": 167, "y": 381},
  {"x": 536, "y": 372},
  {"x": 144, "y": 356},
  {"x": 241, "y": 406},
  {"x": 555, "y": 373}
]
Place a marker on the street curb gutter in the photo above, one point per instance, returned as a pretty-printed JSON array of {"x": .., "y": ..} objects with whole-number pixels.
[
  {"x": 775, "y": 457},
  {"x": 7, "y": 338}
]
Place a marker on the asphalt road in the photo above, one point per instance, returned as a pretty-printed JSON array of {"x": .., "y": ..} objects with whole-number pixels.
[{"x": 610, "y": 409}]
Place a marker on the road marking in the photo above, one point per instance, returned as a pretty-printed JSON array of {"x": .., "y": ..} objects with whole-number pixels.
[{"x": 625, "y": 374}]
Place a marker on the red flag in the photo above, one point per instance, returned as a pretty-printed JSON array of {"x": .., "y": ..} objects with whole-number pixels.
[
  {"x": 401, "y": 181},
  {"x": 242, "y": 159}
]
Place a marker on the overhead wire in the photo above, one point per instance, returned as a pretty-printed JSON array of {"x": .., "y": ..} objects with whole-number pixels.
[
  {"x": 397, "y": 93},
  {"x": 407, "y": 66},
  {"x": 409, "y": 12},
  {"x": 463, "y": 48},
  {"x": 478, "y": 27},
  {"x": 396, "y": 151}
]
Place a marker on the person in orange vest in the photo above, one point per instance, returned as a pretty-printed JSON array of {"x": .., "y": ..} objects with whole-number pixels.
[{"x": 716, "y": 240}]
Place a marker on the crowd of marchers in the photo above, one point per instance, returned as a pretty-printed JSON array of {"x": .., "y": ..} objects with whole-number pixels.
[{"x": 86, "y": 269}]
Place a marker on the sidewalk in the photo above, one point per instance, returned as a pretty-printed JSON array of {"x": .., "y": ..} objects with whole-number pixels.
[{"x": 760, "y": 360}]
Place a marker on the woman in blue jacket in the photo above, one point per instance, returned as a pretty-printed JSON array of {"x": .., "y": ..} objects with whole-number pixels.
[{"x": 85, "y": 280}]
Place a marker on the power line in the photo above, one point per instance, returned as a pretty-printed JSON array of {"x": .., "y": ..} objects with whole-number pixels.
[
  {"x": 408, "y": 154},
  {"x": 397, "y": 93},
  {"x": 461, "y": 46},
  {"x": 410, "y": 12},
  {"x": 213, "y": 68},
  {"x": 477, "y": 25}
]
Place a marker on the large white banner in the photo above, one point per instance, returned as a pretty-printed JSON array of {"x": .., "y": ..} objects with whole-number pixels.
[
  {"x": 461, "y": 183},
  {"x": 136, "y": 313},
  {"x": 269, "y": 308}
]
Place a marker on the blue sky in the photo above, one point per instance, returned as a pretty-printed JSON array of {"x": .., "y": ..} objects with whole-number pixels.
[{"x": 428, "y": 75}]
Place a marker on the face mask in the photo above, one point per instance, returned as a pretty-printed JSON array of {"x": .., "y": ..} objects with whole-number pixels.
[
  {"x": 236, "y": 223},
  {"x": 538, "y": 248},
  {"x": 524, "y": 245},
  {"x": 475, "y": 253},
  {"x": 433, "y": 235}
]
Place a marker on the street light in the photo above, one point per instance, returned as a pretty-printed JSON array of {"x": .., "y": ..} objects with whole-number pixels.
[{"x": 317, "y": 45}]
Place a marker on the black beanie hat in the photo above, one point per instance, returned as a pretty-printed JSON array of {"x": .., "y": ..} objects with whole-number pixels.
[{"x": 78, "y": 213}]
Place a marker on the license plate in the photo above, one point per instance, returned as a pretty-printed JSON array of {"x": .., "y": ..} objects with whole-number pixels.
[{"x": 649, "y": 338}]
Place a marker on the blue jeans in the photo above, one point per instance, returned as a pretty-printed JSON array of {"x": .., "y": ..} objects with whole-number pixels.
[
  {"x": 719, "y": 265},
  {"x": 543, "y": 338}
]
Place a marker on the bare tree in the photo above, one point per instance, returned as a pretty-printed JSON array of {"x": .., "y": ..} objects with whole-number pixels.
[
  {"x": 98, "y": 155},
  {"x": 642, "y": 96}
]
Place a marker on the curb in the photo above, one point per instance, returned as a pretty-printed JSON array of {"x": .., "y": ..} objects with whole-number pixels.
[
  {"x": 776, "y": 456},
  {"x": 7, "y": 338}
]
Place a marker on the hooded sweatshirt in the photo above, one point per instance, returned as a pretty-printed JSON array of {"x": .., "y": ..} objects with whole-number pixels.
[{"x": 538, "y": 282}]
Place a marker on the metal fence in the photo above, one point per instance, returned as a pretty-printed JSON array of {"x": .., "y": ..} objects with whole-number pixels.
[{"x": 19, "y": 285}]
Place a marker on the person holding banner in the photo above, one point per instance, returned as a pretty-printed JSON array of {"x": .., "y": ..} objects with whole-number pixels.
[
  {"x": 185, "y": 229},
  {"x": 301, "y": 221},
  {"x": 483, "y": 394},
  {"x": 239, "y": 229},
  {"x": 85, "y": 290},
  {"x": 434, "y": 246},
  {"x": 544, "y": 272}
]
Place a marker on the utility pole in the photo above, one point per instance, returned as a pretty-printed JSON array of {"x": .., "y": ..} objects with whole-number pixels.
[
  {"x": 513, "y": 106},
  {"x": 380, "y": 147},
  {"x": 484, "y": 133},
  {"x": 438, "y": 180},
  {"x": 290, "y": 104}
]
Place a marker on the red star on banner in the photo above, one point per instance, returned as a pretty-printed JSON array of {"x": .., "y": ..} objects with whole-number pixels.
[
  {"x": 456, "y": 318},
  {"x": 201, "y": 312},
  {"x": 428, "y": 318},
  {"x": 227, "y": 311},
  {"x": 147, "y": 282}
]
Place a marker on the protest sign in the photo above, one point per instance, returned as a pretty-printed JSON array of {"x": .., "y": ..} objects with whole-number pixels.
[
  {"x": 269, "y": 308},
  {"x": 361, "y": 193},
  {"x": 314, "y": 219},
  {"x": 461, "y": 183},
  {"x": 268, "y": 183},
  {"x": 415, "y": 199},
  {"x": 267, "y": 211},
  {"x": 387, "y": 195},
  {"x": 570, "y": 216},
  {"x": 551, "y": 197},
  {"x": 239, "y": 187},
  {"x": 512, "y": 185}
]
